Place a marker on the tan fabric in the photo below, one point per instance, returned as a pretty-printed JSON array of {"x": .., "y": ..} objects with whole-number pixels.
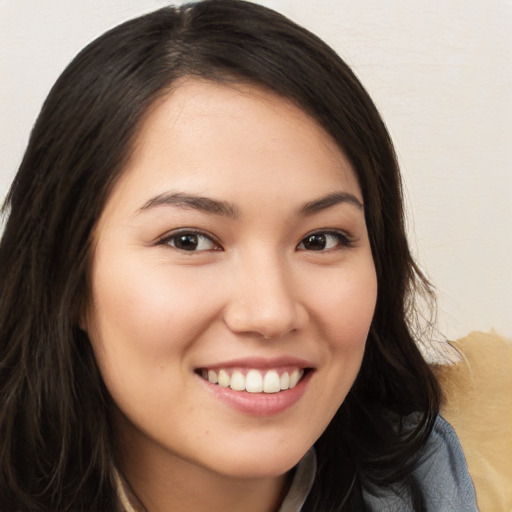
[
  {"x": 129, "y": 501},
  {"x": 478, "y": 404}
]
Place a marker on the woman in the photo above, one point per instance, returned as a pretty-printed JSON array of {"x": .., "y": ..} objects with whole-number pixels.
[{"x": 204, "y": 275}]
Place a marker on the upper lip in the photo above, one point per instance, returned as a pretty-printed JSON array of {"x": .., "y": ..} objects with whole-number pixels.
[{"x": 261, "y": 363}]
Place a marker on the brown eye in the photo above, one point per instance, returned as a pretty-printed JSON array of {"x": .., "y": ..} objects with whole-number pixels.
[
  {"x": 322, "y": 241},
  {"x": 191, "y": 242},
  {"x": 316, "y": 242}
]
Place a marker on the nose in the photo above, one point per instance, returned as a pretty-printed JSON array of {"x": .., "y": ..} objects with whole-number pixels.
[{"x": 264, "y": 299}]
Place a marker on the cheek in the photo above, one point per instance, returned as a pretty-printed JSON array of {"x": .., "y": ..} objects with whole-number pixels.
[
  {"x": 345, "y": 309},
  {"x": 343, "y": 312},
  {"x": 344, "y": 306},
  {"x": 150, "y": 309},
  {"x": 142, "y": 322}
]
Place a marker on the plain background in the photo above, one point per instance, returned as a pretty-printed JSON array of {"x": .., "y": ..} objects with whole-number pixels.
[{"x": 441, "y": 75}]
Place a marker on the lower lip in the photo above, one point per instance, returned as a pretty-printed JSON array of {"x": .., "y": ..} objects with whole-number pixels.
[{"x": 260, "y": 404}]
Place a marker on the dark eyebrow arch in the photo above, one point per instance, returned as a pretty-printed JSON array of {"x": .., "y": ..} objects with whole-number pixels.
[
  {"x": 330, "y": 200},
  {"x": 190, "y": 201}
]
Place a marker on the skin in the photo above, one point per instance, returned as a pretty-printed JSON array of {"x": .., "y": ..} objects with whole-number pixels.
[{"x": 252, "y": 289}]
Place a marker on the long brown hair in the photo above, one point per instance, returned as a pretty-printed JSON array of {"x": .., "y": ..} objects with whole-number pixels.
[{"x": 56, "y": 440}]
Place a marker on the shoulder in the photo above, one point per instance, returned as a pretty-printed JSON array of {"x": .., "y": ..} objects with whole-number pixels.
[
  {"x": 442, "y": 472},
  {"x": 441, "y": 476}
]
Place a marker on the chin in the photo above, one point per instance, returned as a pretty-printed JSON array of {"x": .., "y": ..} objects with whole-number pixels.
[{"x": 260, "y": 463}]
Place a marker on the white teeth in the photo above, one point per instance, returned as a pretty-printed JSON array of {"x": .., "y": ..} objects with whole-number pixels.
[
  {"x": 212, "y": 376},
  {"x": 254, "y": 381},
  {"x": 271, "y": 382},
  {"x": 285, "y": 380},
  {"x": 223, "y": 379},
  {"x": 295, "y": 377},
  {"x": 237, "y": 381}
]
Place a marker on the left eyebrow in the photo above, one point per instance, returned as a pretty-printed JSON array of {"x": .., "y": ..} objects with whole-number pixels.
[{"x": 330, "y": 200}]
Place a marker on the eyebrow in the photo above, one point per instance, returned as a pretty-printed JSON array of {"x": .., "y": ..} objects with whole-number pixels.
[
  {"x": 188, "y": 201},
  {"x": 330, "y": 200},
  {"x": 227, "y": 209}
]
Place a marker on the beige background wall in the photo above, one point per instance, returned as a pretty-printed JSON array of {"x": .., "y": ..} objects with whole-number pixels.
[{"x": 441, "y": 74}]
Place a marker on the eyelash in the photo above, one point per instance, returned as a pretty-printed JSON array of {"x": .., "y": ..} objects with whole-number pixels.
[
  {"x": 169, "y": 238},
  {"x": 343, "y": 240}
]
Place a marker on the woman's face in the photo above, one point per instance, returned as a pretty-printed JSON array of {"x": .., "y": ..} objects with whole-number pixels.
[{"x": 232, "y": 259}]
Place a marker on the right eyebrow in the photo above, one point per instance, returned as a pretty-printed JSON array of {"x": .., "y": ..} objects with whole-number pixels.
[{"x": 194, "y": 202}]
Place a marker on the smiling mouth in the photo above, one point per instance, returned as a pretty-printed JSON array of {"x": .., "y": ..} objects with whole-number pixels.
[{"x": 253, "y": 380}]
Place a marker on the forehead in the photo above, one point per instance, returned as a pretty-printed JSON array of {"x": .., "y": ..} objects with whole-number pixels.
[{"x": 224, "y": 140}]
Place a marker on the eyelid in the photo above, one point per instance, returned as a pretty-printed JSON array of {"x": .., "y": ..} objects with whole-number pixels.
[
  {"x": 167, "y": 237},
  {"x": 344, "y": 238}
]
